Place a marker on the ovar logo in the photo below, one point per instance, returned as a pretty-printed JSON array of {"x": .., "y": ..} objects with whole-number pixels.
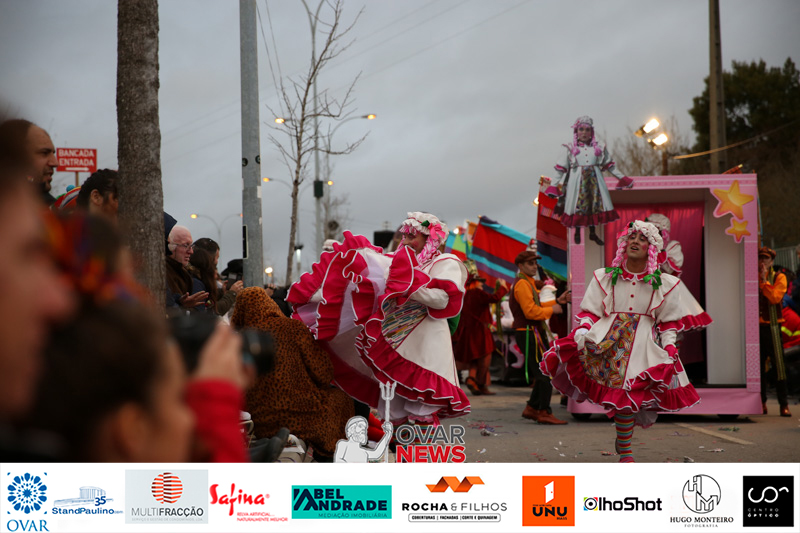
[
  {"x": 548, "y": 500},
  {"x": 27, "y": 494},
  {"x": 453, "y": 483},
  {"x": 167, "y": 488},
  {"x": 702, "y": 494},
  {"x": 768, "y": 501}
]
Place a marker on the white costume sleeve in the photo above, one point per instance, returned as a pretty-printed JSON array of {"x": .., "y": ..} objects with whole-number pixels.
[
  {"x": 608, "y": 165},
  {"x": 561, "y": 168}
]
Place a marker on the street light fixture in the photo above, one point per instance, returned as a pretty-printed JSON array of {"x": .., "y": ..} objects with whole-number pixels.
[
  {"x": 660, "y": 140},
  {"x": 651, "y": 125}
]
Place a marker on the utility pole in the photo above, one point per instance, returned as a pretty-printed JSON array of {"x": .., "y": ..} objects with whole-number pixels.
[
  {"x": 716, "y": 92},
  {"x": 251, "y": 147}
]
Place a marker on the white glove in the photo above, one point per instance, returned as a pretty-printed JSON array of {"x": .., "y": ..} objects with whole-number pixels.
[{"x": 580, "y": 337}]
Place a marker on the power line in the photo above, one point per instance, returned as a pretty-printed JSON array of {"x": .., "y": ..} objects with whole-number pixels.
[{"x": 734, "y": 145}]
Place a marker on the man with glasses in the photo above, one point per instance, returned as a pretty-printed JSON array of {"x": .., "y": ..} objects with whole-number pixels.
[{"x": 183, "y": 290}]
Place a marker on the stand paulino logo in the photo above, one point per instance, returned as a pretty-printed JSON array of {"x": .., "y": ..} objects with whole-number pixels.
[
  {"x": 548, "y": 500},
  {"x": 27, "y": 495},
  {"x": 166, "y": 497},
  {"x": 342, "y": 501},
  {"x": 768, "y": 501},
  {"x": 90, "y": 501}
]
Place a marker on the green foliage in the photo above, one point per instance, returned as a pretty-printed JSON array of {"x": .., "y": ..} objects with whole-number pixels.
[{"x": 758, "y": 100}]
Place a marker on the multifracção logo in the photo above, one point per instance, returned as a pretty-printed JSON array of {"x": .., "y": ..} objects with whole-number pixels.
[
  {"x": 342, "y": 501},
  {"x": 768, "y": 501},
  {"x": 167, "y": 488},
  {"x": 429, "y": 444},
  {"x": 548, "y": 500}
]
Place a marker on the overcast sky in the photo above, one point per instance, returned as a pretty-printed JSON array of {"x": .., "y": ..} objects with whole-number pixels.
[{"x": 473, "y": 97}]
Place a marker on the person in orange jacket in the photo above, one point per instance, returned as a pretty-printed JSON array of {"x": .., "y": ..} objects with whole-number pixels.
[{"x": 772, "y": 286}]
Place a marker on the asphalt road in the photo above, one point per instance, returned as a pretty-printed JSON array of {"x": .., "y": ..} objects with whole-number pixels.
[{"x": 495, "y": 432}]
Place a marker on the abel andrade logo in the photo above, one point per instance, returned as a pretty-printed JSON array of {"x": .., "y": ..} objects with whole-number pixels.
[{"x": 342, "y": 501}]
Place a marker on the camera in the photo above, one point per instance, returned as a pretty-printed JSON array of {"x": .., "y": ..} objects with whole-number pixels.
[{"x": 193, "y": 330}]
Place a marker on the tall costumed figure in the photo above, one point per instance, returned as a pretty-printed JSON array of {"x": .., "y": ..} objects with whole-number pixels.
[{"x": 583, "y": 196}]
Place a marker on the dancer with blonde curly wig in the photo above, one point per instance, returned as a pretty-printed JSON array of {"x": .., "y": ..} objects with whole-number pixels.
[{"x": 623, "y": 355}]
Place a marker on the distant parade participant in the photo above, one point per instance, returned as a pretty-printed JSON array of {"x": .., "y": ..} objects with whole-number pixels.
[
  {"x": 633, "y": 376},
  {"x": 771, "y": 288},
  {"x": 383, "y": 319},
  {"x": 670, "y": 259},
  {"x": 530, "y": 316},
  {"x": 579, "y": 178}
]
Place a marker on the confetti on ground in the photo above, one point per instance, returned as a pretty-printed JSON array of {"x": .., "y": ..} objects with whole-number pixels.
[
  {"x": 677, "y": 434},
  {"x": 688, "y": 459},
  {"x": 716, "y": 450},
  {"x": 562, "y": 455},
  {"x": 734, "y": 428},
  {"x": 608, "y": 453},
  {"x": 482, "y": 451},
  {"x": 488, "y": 433},
  {"x": 701, "y": 446}
]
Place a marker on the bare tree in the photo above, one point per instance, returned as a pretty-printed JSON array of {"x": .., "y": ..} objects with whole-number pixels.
[
  {"x": 635, "y": 157},
  {"x": 297, "y": 138},
  {"x": 141, "y": 198}
]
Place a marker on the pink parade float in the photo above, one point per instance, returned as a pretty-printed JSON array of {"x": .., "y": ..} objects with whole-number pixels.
[{"x": 715, "y": 220}]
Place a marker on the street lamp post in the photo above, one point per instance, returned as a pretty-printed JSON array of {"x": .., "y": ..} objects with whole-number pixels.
[
  {"x": 657, "y": 139},
  {"x": 195, "y": 216}
]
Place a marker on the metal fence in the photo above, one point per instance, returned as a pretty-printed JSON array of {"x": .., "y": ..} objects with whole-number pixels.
[{"x": 787, "y": 257}]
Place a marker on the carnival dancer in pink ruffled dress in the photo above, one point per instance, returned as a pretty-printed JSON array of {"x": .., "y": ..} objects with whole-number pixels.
[
  {"x": 579, "y": 177},
  {"x": 622, "y": 355},
  {"x": 383, "y": 318}
]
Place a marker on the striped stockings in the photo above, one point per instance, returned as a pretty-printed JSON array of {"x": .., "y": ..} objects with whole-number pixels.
[{"x": 624, "y": 425}]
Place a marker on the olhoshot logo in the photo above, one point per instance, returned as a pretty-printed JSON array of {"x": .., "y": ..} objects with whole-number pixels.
[
  {"x": 629, "y": 503},
  {"x": 342, "y": 501},
  {"x": 90, "y": 501},
  {"x": 768, "y": 501},
  {"x": 548, "y": 500},
  {"x": 27, "y": 494},
  {"x": 454, "y": 509},
  {"x": 429, "y": 444},
  {"x": 702, "y": 496},
  {"x": 166, "y": 497}
]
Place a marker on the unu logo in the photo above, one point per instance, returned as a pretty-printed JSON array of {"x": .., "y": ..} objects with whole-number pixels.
[
  {"x": 234, "y": 498},
  {"x": 167, "y": 488}
]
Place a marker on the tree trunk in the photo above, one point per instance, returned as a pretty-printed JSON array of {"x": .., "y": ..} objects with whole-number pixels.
[
  {"x": 141, "y": 198},
  {"x": 292, "y": 236}
]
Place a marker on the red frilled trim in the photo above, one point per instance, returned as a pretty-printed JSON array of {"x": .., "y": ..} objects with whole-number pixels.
[
  {"x": 596, "y": 219},
  {"x": 333, "y": 273},
  {"x": 649, "y": 390},
  {"x": 586, "y": 314},
  {"x": 687, "y": 323},
  {"x": 413, "y": 381}
]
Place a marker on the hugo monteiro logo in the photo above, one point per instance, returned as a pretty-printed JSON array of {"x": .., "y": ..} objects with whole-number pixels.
[
  {"x": 548, "y": 500},
  {"x": 167, "y": 488},
  {"x": 453, "y": 483},
  {"x": 342, "y": 501},
  {"x": 630, "y": 503},
  {"x": 702, "y": 494},
  {"x": 768, "y": 501},
  {"x": 174, "y": 497},
  {"x": 27, "y": 494}
]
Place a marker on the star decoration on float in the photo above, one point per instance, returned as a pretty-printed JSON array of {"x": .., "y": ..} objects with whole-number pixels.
[
  {"x": 731, "y": 201},
  {"x": 738, "y": 230}
]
